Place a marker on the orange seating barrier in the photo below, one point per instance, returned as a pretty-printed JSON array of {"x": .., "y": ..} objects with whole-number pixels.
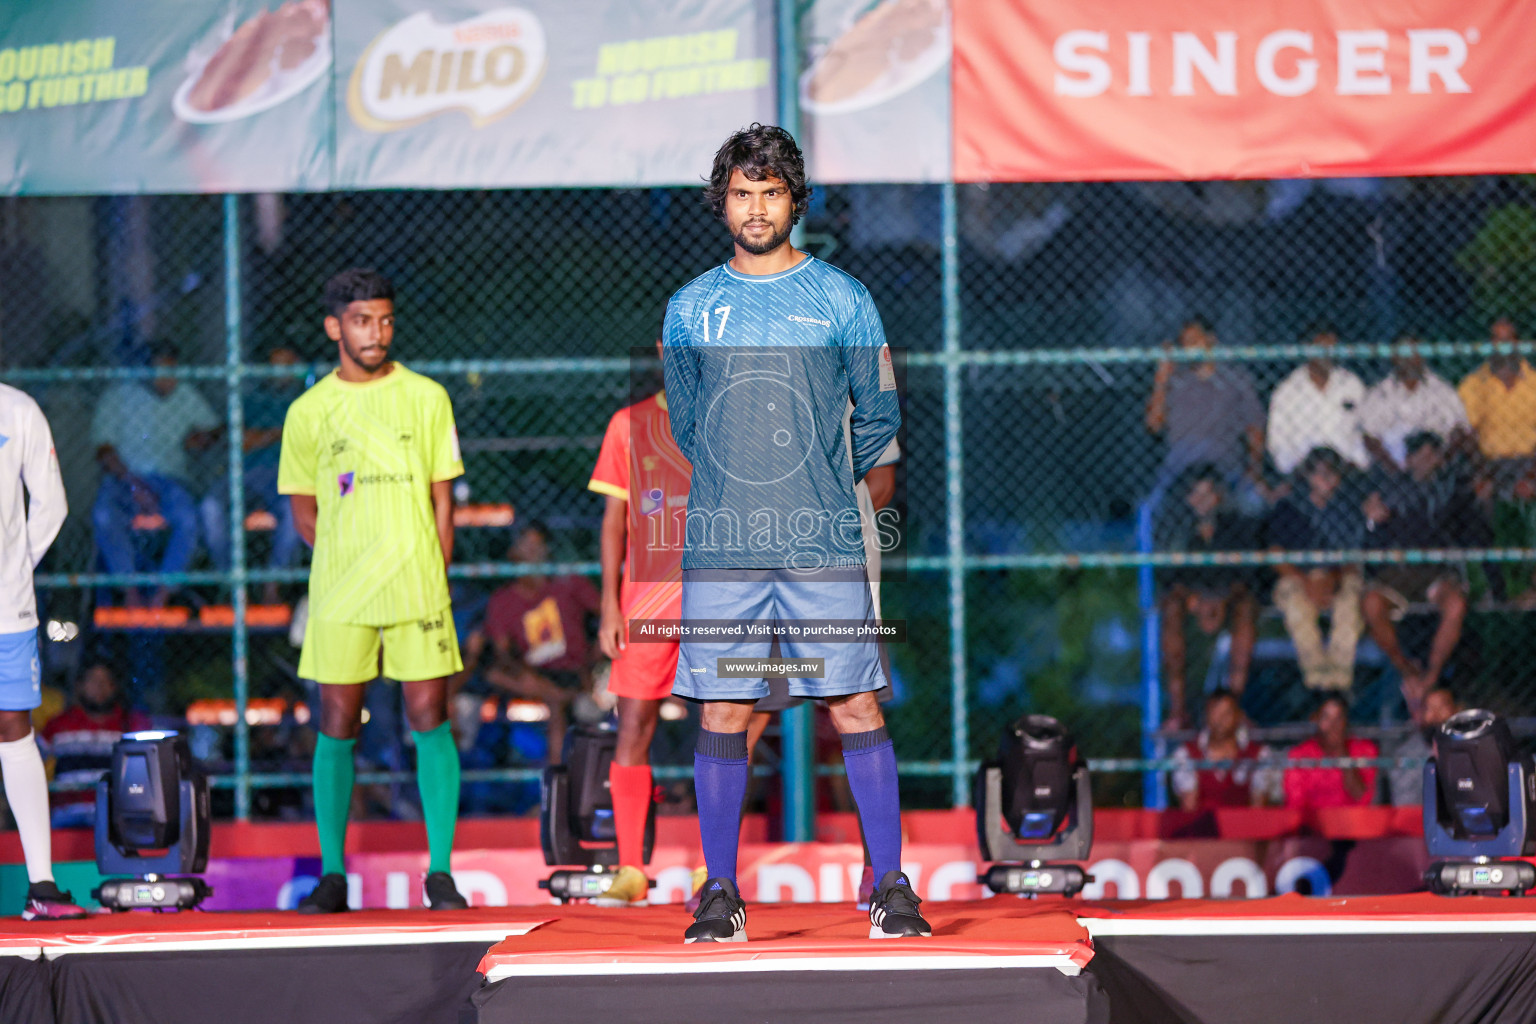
[{"x": 171, "y": 617}]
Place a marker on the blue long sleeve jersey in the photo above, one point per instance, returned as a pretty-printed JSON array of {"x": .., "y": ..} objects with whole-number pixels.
[{"x": 759, "y": 373}]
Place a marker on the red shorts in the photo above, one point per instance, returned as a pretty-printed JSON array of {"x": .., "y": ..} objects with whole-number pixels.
[{"x": 643, "y": 671}]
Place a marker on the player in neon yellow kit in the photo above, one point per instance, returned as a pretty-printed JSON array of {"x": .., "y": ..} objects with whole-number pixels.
[{"x": 368, "y": 456}]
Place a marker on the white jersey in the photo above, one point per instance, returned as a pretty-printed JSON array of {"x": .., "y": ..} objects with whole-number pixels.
[{"x": 27, "y": 460}]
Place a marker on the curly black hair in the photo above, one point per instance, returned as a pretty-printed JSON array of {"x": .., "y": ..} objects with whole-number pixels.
[
  {"x": 355, "y": 284},
  {"x": 760, "y": 151}
]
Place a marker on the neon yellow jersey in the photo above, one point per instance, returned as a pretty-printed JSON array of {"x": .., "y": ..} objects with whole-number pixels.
[{"x": 370, "y": 454}]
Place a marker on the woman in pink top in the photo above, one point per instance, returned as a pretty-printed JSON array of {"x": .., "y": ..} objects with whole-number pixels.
[{"x": 1308, "y": 788}]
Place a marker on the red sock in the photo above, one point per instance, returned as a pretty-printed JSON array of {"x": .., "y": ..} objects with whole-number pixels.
[{"x": 630, "y": 787}]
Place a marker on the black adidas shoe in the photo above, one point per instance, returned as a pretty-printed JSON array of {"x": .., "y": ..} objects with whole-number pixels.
[
  {"x": 329, "y": 897},
  {"x": 442, "y": 894},
  {"x": 47, "y": 902},
  {"x": 722, "y": 914},
  {"x": 893, "y": 912}
]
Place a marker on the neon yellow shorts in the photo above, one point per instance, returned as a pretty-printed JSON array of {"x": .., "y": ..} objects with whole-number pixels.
[{"x": 339, "y": 652}]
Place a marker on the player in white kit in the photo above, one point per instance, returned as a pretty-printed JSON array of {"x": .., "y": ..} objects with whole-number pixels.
[{"x": 28, "y": 464}]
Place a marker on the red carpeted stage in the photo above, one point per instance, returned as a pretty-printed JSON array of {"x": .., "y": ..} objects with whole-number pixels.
[{"x": 1398, "y": 959}]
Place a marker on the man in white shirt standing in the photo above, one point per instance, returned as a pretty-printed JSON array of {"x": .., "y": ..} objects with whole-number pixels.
[
  {"x": 1317, "y": 406},
  {"x": 1410, "y": 400},
  {"x": 28, "y": 525}
]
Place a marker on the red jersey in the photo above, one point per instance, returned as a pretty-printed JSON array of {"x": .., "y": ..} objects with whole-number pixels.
[
  {"x": 1218, "y": 787},
  {"x": 640, "y": 463},
  {"x": 1306, "y": 788},
  {"x": 548, "y": 626}
]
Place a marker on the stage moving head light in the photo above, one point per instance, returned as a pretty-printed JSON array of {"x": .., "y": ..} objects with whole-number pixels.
[
  {"x": 1034, "y": 805},
  {"x": 1473, "y": 752},
  {"x": 1037, "y": 757},
  {"x": 576, "y": 825},
  {"x": 152, "y": 820},
  {"x": 1479, "y": 802}
]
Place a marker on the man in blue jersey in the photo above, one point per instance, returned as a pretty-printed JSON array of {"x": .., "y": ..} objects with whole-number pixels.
[{"x": 762, "y": 356}]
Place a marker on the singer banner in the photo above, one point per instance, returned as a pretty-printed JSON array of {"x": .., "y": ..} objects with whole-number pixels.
[{"x": 1056, "y": 90}]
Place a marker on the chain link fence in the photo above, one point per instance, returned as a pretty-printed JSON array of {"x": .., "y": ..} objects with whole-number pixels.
[{"x": 1179, "y": 423}]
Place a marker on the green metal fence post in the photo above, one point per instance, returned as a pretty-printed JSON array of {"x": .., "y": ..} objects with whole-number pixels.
[
  {"x": 233, "y": 374},
  {"x": 799, "y": 770},
  {"x": 954, "y": 505}
]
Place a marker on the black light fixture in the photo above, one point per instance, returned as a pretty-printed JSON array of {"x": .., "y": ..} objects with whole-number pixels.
[
  {"x": 1479, "y": 799},
  {"x": 152, "y": 823},
  {"x": 1034, "y": 809},
  {"x": 576, "y": 826}
]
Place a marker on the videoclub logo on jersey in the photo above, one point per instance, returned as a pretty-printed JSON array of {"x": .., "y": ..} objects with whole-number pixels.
[
  {"x": 417, "y": 69},
  {"x": 347, "y": 483}
]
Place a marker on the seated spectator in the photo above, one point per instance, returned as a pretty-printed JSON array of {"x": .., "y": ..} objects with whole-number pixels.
[
  {"x": 142, "y": 436},
  {"x": 265, "y": 407},
  {"x": 1214, "y": 595},
  {"x": 1406, "y": 785},
  {"x": 487, "y": 740},
  {"x": 537, "y": 627},
  {"x": 1410, "y": 400},
  {"x": 1421, "y": 507},
  {"x": 1321, "y": 518},
  {"x": 1500, "y": 399},
  {"x": 1310, "y": 788},
  {"x": 80, "y": 742},
  {"x": 1209, "y": 412},
  {"x": 1317, "y": 406},
  {"x": 1224, "y": 738}
]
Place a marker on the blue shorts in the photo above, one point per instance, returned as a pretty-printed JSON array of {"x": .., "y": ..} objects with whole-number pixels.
[
  {"x": 775, "y": 597},
  {"x": 21, "y": 674}
]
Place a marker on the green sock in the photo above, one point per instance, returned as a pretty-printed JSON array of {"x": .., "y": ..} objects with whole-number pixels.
[
  {"x": 333, "y": 772},
  {"x": 437, "y": 775}
]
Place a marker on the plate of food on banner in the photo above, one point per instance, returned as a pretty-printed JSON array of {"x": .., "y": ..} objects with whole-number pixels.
[
  {"x": 883, "y": 51},
  {"x": 271, "y": 57}
]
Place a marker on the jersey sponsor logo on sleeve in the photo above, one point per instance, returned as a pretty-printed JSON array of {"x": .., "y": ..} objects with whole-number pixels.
[
  {"x": 887, "y": 370},
  {"x": 808, "y": 320},
  {"x": 346, "y": 482}
]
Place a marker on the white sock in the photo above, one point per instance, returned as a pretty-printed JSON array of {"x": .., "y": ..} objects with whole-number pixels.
[{"x": 26, "y": 789}]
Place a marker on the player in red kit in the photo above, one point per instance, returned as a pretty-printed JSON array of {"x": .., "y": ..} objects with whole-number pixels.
[{"x": 645, "y": 479}]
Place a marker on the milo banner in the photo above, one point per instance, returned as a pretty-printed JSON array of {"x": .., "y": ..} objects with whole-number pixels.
[
  {"x": 481, "y": 93},
  {"x": 164, "y": 97}
]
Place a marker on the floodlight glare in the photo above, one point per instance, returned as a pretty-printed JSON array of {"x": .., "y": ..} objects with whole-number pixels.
[{"x": 1478, "y": 801}]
